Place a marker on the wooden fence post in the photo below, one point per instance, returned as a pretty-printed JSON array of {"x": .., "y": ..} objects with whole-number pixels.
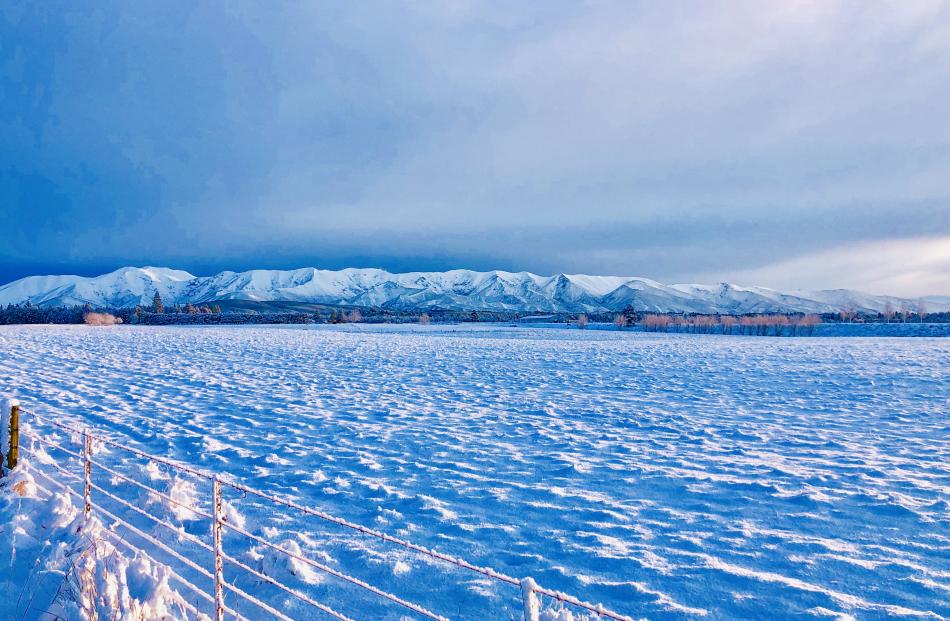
[
  {"x": 529, "y": 600},
  {"x": 13, "y": 453},
  {"x": 87, "y": 472},
  {"x": 218, "y": 560},
  {"x": 10, "y": 434}
]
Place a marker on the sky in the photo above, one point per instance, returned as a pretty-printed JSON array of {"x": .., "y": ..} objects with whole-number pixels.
[{"x": 792, "y": 144}]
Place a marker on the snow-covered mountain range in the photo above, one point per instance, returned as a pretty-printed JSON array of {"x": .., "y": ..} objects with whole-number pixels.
[{"x": 452, "y": 290}]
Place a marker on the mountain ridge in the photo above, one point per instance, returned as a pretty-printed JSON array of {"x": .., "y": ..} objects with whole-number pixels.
[{"x": 460, "y": 290}]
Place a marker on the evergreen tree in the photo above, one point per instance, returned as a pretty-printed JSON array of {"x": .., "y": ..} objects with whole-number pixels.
[
  {"x": 157, "y": 305},
  {"x": 630, "y": 315}
]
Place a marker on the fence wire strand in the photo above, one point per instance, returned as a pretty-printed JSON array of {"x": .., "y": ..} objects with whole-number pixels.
[
  {"x": 597, "y": 609},
  {"x": 339, "y": 574},
  {"x": 190, "y": 585},
  {"x": 268, "y": 579}
]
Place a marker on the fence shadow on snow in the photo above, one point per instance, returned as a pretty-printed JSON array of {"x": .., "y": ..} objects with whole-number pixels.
[{"x": 211, "y": 569}]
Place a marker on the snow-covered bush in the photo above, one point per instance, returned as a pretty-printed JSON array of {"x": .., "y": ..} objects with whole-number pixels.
[
  {"x": 58, "y": 564},
  {"x": 101, "y": 319}
]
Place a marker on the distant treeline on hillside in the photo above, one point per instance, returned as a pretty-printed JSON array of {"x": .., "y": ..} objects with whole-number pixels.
[{"x": 212, "y": 314}]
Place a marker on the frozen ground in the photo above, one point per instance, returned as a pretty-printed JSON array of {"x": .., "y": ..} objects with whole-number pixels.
[{"x": 667, "y": 476}]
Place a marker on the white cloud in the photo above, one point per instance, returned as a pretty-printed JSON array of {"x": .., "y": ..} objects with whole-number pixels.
[
  {"x": 611, "y": 137},
  {"x": 904, "y": 267}
]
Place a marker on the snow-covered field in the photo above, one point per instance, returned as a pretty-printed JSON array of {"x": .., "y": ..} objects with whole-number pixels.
[{"x": 667, "y": 476}]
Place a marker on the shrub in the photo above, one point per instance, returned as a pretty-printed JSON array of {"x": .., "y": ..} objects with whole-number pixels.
[{"x": 101, "y": 319}]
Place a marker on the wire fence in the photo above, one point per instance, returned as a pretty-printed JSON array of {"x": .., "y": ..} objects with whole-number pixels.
[{"x": 213, "y": 571}]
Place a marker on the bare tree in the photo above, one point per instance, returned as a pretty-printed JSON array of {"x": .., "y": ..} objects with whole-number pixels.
[
  {"x": 888, "y": 311},
  {"x": 745, "y": 324},
  {"x": 728, "y": 323},
  {"x": 704, "y": 323},
  {"x": 424, "y": 319},
  {"x": 779, "y": 323},
  {"x": 620, "y": 321},
  {"x": 921, "y": 310},
  {"x": 648, "y": 322},
  {"x": 656, "y": 323},
  {"x": 847, "y": 314},
  {"x": 905, "y": 313},
  {"x": 354, "y": 316},
  {"x": 582, "y": 321},
  {"x": 808, "y": 322}
]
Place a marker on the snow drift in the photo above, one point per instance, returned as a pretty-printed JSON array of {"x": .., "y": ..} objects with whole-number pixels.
[{"x": 60, "y": 565}]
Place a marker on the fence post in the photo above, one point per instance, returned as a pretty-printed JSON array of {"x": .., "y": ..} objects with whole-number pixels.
[
  {"x": 13, "y": 450},
  {"x": 218, "y": 560},
  {"x": 532, "y": 607},
  {"x": 87, "y": 472}
]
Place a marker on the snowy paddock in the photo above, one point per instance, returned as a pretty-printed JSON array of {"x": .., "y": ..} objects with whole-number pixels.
[{"x": 666, "y": 476}]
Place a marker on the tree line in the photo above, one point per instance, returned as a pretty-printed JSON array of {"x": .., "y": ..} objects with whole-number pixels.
[
  {"x": 757, "y": 325},
  {"x": 158, "y": 313},
  {"x": 761, "y": 324}
]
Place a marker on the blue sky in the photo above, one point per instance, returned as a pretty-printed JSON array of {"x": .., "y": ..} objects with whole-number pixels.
[{"x": 787, "y": 144}]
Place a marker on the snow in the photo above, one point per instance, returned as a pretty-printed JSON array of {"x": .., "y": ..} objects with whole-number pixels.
[
  {"x": 666, "y": 476},
  {"x": 124, "y": 287},
  {"x": 452, "y": 290},
  {"x": 59, "y": 565}
]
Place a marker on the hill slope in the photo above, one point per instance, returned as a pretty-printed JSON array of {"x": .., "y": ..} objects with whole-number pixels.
[{"x": 452, "y": 290}]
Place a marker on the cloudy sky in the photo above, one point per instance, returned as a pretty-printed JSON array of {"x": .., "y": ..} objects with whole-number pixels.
[{"x": 791, "y": 144}]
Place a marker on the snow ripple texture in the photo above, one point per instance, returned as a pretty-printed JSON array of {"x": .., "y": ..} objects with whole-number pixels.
[{"x": 666, "y": 476}]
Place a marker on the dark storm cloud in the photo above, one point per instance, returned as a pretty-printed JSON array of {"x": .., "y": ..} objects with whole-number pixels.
[{"x": 697, "y": 140}]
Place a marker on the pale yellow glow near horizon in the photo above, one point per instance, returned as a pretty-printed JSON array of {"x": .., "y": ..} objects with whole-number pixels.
[{"x": 912, "y": 267}]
